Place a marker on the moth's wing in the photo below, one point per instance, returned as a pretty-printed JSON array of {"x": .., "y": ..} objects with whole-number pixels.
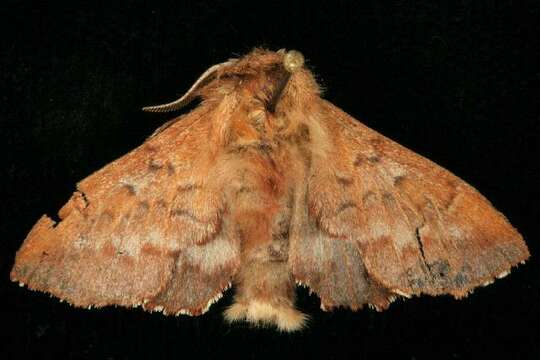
[
  {"x": 391, "y": 218},
  {"x": 333, "y": 268},
  {"x": 147, "y": 229}
]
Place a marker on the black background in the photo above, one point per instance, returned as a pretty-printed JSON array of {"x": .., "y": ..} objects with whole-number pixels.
[{"x": 456, "y": 81}]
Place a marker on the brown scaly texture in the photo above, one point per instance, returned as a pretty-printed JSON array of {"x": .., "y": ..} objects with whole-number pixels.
[{"x": 265, "y": 185}]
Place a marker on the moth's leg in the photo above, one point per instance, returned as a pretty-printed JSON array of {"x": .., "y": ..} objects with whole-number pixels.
[{"x": 265, "y": 293}]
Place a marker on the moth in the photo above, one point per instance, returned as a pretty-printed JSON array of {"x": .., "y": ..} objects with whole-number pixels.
[{"x": 266, "y": 186}]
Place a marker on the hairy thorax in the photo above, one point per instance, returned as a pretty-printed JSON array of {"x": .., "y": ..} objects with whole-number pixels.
[{"x": 260, "y": 152}]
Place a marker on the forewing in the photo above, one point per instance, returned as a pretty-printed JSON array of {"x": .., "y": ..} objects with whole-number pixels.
[
  {"x": 417, "y": 227},
  {"x": 147, "y": 229}
]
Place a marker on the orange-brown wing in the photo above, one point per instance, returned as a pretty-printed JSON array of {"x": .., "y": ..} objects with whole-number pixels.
[
  {"x": 334, "y": 270},
  {"x": 146, "y": 230},
  {"x": 409, "y": 226}
]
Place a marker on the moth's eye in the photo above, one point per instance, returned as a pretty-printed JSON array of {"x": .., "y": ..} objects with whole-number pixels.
[{"x": 293, "y": 60}]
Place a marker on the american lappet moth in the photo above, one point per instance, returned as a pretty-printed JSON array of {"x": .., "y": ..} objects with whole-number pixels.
[{"x": 266, "y": 186}]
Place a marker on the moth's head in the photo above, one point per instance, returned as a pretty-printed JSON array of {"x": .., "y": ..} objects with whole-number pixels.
[
  {"x": 260, "y": 62},
  {"x": 277, "y": 79}
]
